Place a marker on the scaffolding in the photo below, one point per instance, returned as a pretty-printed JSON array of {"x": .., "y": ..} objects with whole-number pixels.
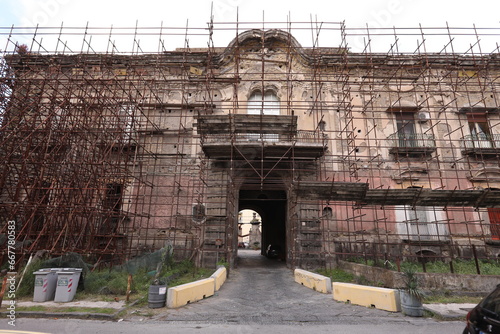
[{"x": 346, "y": 151}]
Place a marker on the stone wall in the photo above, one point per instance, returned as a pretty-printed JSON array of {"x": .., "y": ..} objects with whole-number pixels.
[{"x": 431, "y": 282}]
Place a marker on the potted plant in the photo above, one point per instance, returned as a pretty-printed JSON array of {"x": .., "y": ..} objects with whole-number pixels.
[{"x": 411, "y": 295}]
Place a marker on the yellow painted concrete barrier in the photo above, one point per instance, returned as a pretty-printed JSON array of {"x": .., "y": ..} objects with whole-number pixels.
[
  {"x": 219, "y": 277},
  {"x": 181, "y": 295},
  {"x": 381, "y": 298},
  {"x": 313, "y": 281}
]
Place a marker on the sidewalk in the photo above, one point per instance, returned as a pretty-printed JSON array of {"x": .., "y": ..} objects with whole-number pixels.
[
  {"x": 114, "y": 309},
  {"x": 81, "y": 303},
  {"x": 449, "y": 311}
]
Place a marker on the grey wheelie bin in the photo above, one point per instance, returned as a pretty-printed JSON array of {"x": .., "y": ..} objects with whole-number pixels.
[
  {"x": 67, "y": 282},
  {"x": 45, "y": 285}
]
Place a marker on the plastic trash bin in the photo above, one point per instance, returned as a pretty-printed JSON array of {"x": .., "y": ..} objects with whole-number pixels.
[
  {"x": 67, "y": 282},
  {"x": 157, "y": 296},
  {"x": 45, "y": 285}
]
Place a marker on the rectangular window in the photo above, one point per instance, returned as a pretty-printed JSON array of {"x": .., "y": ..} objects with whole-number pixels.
[
  {"x": 112, "y": 205},
  {"x": 479, "y": 130},
  {"x": 40, "y": 199},
  {"x": 405, "y": 124},
  {"x": 126, "y": 117},
  {"x": 421, "y": 223},
  {"x": 268, "y": 104},
  {"x": 494, "y": 215},
  {"x": 113, "y": 199}
]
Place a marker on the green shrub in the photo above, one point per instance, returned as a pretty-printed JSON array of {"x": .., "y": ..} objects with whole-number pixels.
[{"x": 106, "y": 282}]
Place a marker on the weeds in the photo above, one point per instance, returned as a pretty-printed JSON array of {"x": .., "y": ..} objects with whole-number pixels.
[
  {"x": 460, "y": 266},
  {"x": 464, "y": 267},
  {"x": 113, "y": 282},
  {"x": 109, "y": 282},
  {"x": 451, "y": 299},
  {"x": 337, "y": 275}
]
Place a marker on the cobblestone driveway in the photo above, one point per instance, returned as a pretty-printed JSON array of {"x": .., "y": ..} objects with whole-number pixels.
[{"x": 263, "y": 291}]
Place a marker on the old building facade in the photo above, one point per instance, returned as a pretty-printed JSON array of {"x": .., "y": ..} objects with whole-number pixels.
[{"x": 342, "y": 154}]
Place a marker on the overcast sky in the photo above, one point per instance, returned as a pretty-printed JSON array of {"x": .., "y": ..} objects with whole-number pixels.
[{"x": 196, "y": 13}]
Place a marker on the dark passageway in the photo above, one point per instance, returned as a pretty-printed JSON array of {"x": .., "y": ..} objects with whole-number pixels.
[
  {"x": 271, "y": 206},
  {"x": 248, "y": 258}
]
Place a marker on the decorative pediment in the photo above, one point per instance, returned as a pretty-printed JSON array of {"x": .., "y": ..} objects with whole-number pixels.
[
  {"x": 410, "y": 174},
  {"x": 403, "y": 105},
  {"x": 268, "y": 42},
  {"x": 477, "y": 108},
  {"x": 256, "y": 41},
  {"x": 485, "y": 174},
  {"x": 403, "y": 87}
]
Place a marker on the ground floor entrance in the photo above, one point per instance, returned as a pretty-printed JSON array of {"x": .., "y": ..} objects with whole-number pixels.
[{"x": 271, "y": 206}]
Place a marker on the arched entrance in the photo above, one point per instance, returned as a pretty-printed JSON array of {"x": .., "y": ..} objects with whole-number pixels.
[
  {"x": 249, "y": 230},
  {"x": 271, "y": 205}
]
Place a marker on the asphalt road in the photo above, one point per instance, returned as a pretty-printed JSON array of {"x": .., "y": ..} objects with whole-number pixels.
[
  {"x": 260, "y": 296},
  {"x": 95, "y": 327}
]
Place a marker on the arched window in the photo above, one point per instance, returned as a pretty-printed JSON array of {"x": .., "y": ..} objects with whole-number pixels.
[
  {"x": 198, "y": 212},
  {"x": 327, "y": 212},
  {"x": 269, "y": 104}
]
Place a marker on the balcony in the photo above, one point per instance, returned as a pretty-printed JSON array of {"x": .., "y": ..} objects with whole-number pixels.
[
  {"x": 255, "y": 136},
  {"x": 416, "y": 144},
  {"x": 481, "y": 144}
]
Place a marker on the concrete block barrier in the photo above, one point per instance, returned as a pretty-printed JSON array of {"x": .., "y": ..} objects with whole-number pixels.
[
  {"x": 369, "y": 296},
  {"x": 184, "y": 294},
  {"x": 219, "y": 277},
  {"x": 313, "y": 281}
]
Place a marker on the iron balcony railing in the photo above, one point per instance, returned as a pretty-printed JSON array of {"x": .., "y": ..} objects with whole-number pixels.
[
  {"x": 300, "y": 136},
  {"x": 408, "y": 141},
  {"x": 481, "y": 141}
]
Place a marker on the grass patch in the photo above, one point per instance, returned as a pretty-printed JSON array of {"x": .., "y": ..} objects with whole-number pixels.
[
  {"x": 194, "y": 275},
  {"x": 451, "y": 299},
  {"x": 338, "y": 275},
  {"x": 32, "y": 308},
  {"x": 464, "y": 267},
  {"x": 88, "y": 309},
  {"x": 71, "y": 309},
  {"x": 460, "y": 266},
  {"x": 108, "y": 283}
]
